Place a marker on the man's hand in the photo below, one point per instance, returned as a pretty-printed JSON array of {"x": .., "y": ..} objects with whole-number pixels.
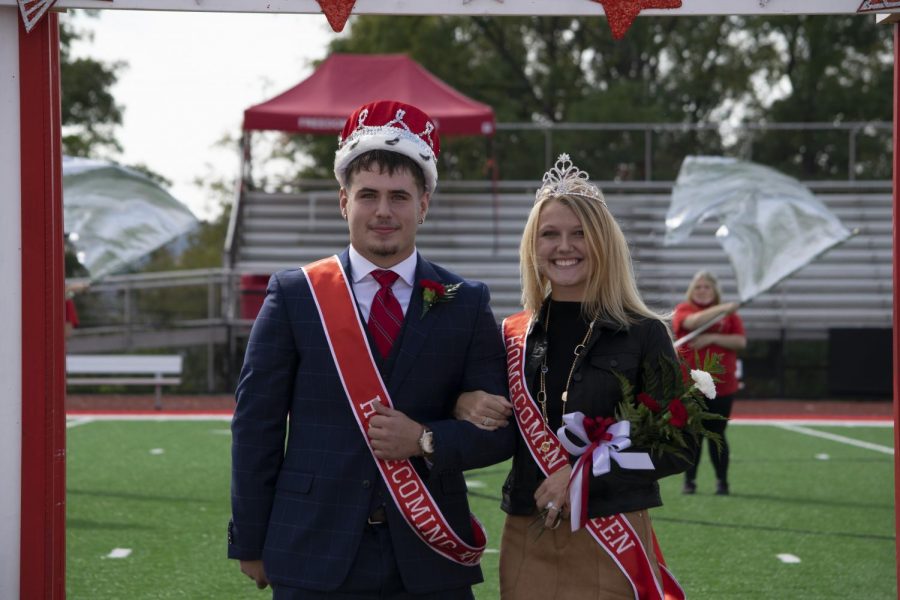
[
  {"x": 485, "y": 411},
  {"x": 254, "y": 570},
  {"x": 394, "y": 435},
  {"x": 552, "y": 496}
]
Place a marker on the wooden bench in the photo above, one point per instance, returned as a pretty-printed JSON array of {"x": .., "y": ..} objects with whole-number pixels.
[{"x": 125, "y": 369}]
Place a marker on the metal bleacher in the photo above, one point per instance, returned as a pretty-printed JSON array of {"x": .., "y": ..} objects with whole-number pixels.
[{"x": 476, "y": 233}]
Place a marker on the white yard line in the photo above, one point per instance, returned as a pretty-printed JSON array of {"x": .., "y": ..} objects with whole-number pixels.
[
  {"x": 836, "y": 438},
  {"x": 151, "y": 417},
  {"x": 87, "y": 418},
  {"x": 886, "y": 422},
  {"x": 76, "y": 421}
]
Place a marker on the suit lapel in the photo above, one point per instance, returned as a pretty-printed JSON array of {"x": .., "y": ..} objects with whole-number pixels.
[
  {"x": 416, "y": 328},
  {"x": 345, "y": 260}
]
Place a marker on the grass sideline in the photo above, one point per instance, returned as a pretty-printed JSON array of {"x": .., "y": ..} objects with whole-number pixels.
[{"x": 160, "y": 489}]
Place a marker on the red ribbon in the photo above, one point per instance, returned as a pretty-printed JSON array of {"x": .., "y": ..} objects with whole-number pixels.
[{"x": 363, "y": 385}]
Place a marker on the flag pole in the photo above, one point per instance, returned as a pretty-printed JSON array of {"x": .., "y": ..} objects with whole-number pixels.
[
  {"x": 684, "y": 340},
  {"x": 717, "y": 318}
]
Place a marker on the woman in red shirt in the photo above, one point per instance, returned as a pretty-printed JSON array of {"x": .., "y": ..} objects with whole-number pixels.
[{"x": 724, "y": 338}]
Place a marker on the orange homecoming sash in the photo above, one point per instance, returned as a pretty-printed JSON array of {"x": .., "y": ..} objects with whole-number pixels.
[
  {"x": 614, "y": 533},
  {"x": 363, "y": 385}
]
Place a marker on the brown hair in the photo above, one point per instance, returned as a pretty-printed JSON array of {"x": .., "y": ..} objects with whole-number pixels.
[{"x": 385, "y": 160}]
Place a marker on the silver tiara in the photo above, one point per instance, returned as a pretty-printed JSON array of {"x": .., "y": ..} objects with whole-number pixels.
[{"x": 565, "y": 179}]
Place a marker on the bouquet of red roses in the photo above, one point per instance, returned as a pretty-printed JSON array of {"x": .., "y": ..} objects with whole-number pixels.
[
  {"x": 662, "y": 418},
  {"x": 672, "y": 405}
]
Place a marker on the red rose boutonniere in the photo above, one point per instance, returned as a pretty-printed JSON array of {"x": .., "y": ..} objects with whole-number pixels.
[{"x": 434, "y": 292}]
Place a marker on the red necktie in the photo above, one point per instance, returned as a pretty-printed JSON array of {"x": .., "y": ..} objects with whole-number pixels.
[{"x": 386, "y": 316}]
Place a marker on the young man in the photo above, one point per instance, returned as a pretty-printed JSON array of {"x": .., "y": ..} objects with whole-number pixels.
[{"x": 346, "y": 460}]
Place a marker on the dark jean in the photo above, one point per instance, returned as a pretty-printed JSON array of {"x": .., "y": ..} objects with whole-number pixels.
[
  {"x": 720, "y": 457},
  {"x": 373, "y": 576}
]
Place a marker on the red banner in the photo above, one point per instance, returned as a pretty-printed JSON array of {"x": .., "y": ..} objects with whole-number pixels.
[{"x": 363, "y": 385}]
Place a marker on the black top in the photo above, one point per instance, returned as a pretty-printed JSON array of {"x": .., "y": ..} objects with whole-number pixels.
[
  {"x": 595, "y": 390},
  {"x": 567, "y": 329}
]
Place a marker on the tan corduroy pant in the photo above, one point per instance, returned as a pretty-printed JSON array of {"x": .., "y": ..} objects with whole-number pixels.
[{"x": 561, "y": 565}]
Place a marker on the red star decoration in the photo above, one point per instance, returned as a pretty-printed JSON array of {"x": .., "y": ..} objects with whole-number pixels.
[
  {"x": 622, "y": 13},
  {"x": 337, "y": 12},
  {"x": 33, "y": 10}
]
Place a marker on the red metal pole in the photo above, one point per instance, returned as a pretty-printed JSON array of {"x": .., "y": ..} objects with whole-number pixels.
[
  {"x": 43, "y": 521},
  {"x": 896, "y": 280}
]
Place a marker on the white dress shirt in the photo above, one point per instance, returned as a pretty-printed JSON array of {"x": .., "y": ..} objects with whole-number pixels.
[{"x": 365, "y": 287}]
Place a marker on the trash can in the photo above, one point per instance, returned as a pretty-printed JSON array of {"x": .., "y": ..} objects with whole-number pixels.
[
  {"x": 860, "y": 362},
  {"x": 253, "y": 292}
]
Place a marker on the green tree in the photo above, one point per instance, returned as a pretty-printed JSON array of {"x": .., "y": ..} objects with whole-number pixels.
[
  {"x": 836, "y": 69},
  {"x": 666, "y": 70},
  {"x": 89, "y": 110},
  {"x": 559, "y": 69}
]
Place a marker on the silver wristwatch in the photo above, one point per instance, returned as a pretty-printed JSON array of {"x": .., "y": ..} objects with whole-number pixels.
[{"x": 426, "y": 443}]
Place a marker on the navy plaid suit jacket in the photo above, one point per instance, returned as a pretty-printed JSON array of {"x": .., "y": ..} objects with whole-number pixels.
[{"x": 303, "y": 480}]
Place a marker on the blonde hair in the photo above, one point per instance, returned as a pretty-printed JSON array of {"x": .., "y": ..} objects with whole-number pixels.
[
  {"x": 713, "y": 281},
  {"x": 610, "y": 291}
]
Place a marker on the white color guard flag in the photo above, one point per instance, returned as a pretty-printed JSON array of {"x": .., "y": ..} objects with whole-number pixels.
[
  {"x": 771, "y": 224},
  {"x": 118, "y": 214}
]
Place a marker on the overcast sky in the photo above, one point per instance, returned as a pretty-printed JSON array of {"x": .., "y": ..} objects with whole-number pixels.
[{"x": 189, "y": 78}]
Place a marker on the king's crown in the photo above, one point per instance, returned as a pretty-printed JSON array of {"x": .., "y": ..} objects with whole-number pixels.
[{"x": 565, "y": 179}]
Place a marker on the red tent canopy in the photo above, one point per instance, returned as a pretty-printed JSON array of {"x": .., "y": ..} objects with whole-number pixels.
[{"x": 344, "y": 82}]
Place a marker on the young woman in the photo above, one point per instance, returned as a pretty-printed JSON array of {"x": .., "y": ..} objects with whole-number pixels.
[{"x": 584, "y": 322}]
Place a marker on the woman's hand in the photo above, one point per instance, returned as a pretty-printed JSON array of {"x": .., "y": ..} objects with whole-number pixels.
[
  {"x": 553, "y": 496},
  {"x": 701, "y": 318},
  {"x": 702, "y": 341},
  {"x": 485, "y": 411},
  {"x": 730, "y": 307},
  {"x": 729, "y": 341}
]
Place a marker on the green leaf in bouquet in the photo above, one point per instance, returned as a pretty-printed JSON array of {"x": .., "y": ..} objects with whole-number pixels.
[
  {"x": 626, "y": 387},
  {"x": 670, "y": 381},
  {"x": 714, "y": 438},
  {"x": 650, "y": 380},
  {"x": 712, "y": 364}
]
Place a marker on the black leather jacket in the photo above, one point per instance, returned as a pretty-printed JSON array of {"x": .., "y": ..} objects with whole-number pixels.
[{"x": 595, "y": 391}]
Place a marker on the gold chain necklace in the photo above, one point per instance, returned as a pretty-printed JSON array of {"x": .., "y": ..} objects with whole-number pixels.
[{"x": 542, "y": 392}]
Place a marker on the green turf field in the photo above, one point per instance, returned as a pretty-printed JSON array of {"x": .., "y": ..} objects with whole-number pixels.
[{"x": 160, "y": 490}]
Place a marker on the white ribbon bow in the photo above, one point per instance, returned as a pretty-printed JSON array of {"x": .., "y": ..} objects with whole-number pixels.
[{"x": 573, "y": 423}]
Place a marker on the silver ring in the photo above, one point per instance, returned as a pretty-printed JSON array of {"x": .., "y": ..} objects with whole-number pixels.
[
  {"x": 551, "y": 506},
  {"x": 487, "y": 422}
]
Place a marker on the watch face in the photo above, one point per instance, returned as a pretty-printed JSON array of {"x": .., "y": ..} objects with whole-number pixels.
[{"x": 427, "y": 442}]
